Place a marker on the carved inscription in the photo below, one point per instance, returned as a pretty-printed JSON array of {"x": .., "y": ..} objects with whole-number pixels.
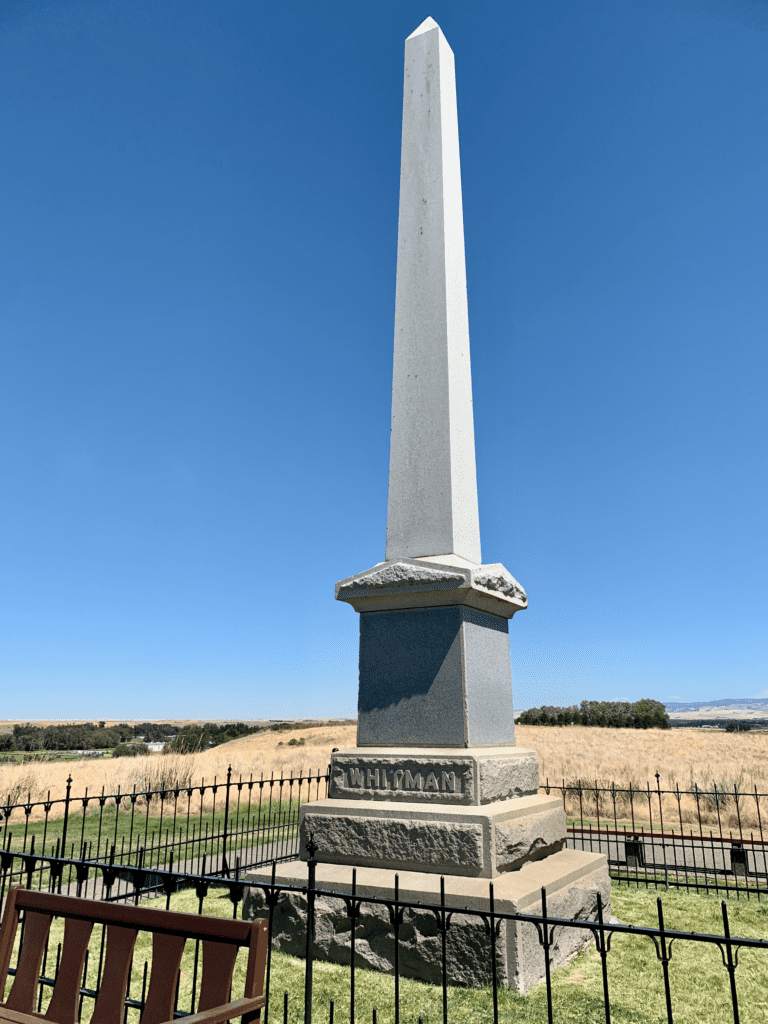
[{"x": 402, "y": 779}]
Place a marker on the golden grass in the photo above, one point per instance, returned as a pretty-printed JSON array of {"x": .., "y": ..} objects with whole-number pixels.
[
  {"x": 262, "y": 753},
  {"x": 682, "y": 757}
]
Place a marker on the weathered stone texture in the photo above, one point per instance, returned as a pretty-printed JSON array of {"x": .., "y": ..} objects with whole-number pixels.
[
  {"x": 428, "y": 582},
  {"x": 503, "y": 777},
  {"x": 519, "y": 956},
  {"x": 527, "y": 839},
  {"x": 574, "y": 902},
  {"x": 406, "y": 842},
  {"x": 468, "y": 947},
  {"x": 438, "y": 776},
  {"x": 495, "y": 577},
  {"x": 475, "y": 841},
  {"x": 399, "y": 574}
]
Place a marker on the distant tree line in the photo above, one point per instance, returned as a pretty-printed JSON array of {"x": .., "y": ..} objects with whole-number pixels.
[
  {"x": 729, "y": 724},
  {"x": 79, "y": 736},
  {"x": 191, "y": 738},
  {"x": 154, "y": 732},
  {"x": 126, "y": 739},
  {"x": 610, "y": 714},
  {"x": 83, "y": 736}
]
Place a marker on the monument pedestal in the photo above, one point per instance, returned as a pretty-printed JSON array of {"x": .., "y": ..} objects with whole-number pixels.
[
  {"x": 572, "y": 880},
  {"x": 468, "y": 815},
  {"x": 473, "y": 812},
  {"x": 476, "y": 842}
]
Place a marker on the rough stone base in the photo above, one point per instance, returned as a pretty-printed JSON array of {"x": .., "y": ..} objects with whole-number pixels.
[{"x": 572, "y": 880}]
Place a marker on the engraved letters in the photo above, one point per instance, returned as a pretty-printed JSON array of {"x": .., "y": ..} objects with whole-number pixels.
[{"x": 401, "y": 780}]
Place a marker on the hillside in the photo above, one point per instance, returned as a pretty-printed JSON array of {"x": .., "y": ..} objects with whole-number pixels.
[{"x": 727, "y": 707}]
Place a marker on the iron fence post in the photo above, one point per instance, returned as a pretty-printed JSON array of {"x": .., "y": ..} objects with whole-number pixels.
[
  {"x": 603, "y": 951},
  {"x": 664, "y": 957},
  {"x": 224, "y": 865},
  {"x": 64, "y": 826},
  {"x": 546, "y": 944},
  {"x": 730, "y": 963},
  {"x": 494, "y": 969},
  {"x": 311, "y": 866}
]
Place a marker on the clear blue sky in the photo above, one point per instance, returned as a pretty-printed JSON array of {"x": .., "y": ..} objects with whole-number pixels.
[{"x": 198, "y": 231}]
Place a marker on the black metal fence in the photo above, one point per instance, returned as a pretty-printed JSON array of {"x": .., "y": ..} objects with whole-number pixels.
[
  {"x": 706, "y": 840},
  {"x": 602, "y": 931},
  {"x": 253, "y": 820}
]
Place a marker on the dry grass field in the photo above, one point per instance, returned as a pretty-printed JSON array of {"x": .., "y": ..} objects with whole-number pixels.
[
  {"x": 624, "y": 756},
  {"x": 684, "y": 758},
  {"x": 680, "y": 756},
  {"x": 262, "y": 753}
]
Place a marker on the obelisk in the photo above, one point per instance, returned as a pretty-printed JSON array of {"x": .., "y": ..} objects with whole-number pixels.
[
  {"x": 432, "y": 508},
  {"x": 434, "y": 650},
  {"x": 435, "y": 786}
]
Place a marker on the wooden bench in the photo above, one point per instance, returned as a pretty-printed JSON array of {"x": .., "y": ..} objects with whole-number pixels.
[{"x": 221, "y": 939}]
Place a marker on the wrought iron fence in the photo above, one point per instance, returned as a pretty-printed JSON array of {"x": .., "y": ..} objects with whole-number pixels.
[
  {"x": 253, "y": 819},
  {"x": 702, "y": 839},
  {"x": 601, "y": 931},
  {"x": 706, "y": 840}
]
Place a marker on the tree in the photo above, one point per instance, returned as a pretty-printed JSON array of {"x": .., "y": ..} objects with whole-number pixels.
[
  {"x": 130, "y": 749},
  {"x": 614, "y": 714}
]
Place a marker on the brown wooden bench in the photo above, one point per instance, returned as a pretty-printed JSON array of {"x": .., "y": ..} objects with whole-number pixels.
[{"x": 221, "y": 939}]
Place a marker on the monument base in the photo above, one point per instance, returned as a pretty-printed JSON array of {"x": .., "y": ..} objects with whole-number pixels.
[
  {"x": 481, "y": 841},
  {"x": 442, "y": 775},
  {"x": 572, "y": 880}
]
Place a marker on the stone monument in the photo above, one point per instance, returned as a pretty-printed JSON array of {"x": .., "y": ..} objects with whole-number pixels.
[{"x": 435, "y": 786}]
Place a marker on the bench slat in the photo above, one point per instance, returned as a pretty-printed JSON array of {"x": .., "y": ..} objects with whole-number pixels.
[
  {"x": 218, "y": 967},
  {"x": 66, "y": 991},
  {"x": 24, "y": 988},
  {"x": 110, "y": 1001},
  {"x": 7, "y": 936},
  {"x": 166, "y": 961}
]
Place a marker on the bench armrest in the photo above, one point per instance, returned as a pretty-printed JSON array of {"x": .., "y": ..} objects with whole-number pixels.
[{"x": 225, "y": 1012}]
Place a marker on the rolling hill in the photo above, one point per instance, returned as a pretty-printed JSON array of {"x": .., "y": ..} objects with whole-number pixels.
[{"x": 727, "y": 707}]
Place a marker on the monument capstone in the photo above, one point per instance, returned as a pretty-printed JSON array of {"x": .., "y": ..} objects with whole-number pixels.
[{"x": 436, "y": 786}]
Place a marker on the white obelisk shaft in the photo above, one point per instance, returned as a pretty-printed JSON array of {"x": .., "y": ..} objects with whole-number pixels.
[{"x": 432, "y": 506}]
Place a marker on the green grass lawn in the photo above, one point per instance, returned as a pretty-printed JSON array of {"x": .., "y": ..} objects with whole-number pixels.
[
  {"x": 99, "y": 831},
  {"x": 199, "y": 837},
  {"x": 699, "y": 983},
  {"x": 700, "y": 989},
  {"x": 35, "y": 756}
]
